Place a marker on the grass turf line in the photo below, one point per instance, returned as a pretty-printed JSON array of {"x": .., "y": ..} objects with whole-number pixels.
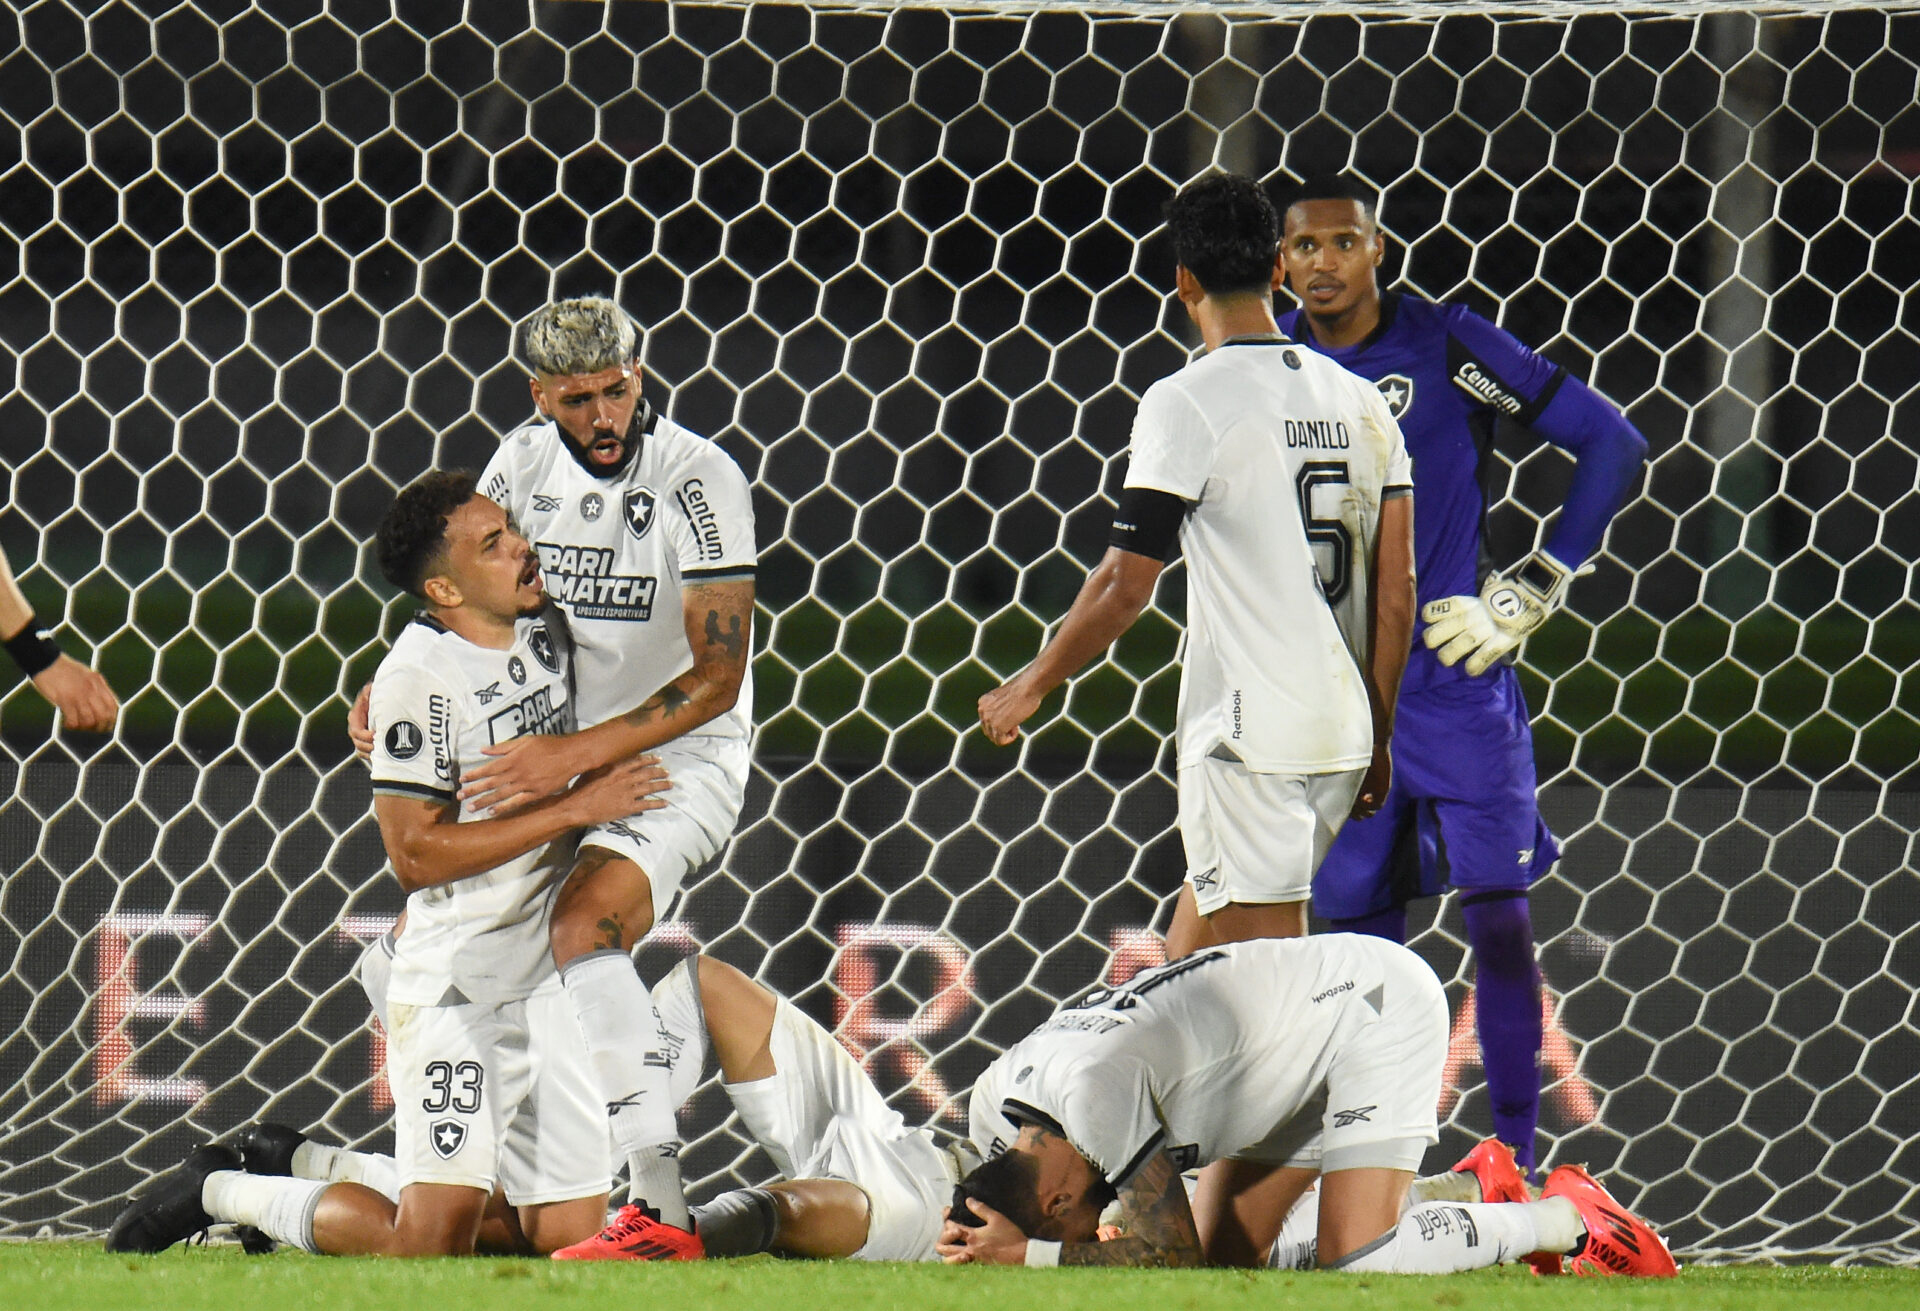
[{"x": 66, "y": 1276}]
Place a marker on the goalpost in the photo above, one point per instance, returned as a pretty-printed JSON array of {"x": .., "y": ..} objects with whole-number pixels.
[{"x": 902, "y": 261}]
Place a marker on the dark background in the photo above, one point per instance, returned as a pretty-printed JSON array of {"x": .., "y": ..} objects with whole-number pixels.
[{"x": 262, "y": 270}]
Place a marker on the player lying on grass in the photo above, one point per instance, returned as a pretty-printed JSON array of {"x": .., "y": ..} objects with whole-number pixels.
[
  {"x": 859, "y": 1183},
  {"x": 1287, "y": 1060},
  {"x": 490, "y": 1077}
]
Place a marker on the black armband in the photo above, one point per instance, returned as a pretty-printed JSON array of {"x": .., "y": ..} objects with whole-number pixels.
[
  {"x": 1147, "y": 522},
  {"x": 33, "y": 648}
]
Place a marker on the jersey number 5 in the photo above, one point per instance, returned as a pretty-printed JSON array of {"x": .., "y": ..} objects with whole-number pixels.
[
  {"x": 466, "y": 1100},
  {"x": 1321, "y": 531}
]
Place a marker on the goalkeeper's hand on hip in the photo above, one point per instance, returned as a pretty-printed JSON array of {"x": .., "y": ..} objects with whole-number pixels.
[{"x": 1487, "y": 629}]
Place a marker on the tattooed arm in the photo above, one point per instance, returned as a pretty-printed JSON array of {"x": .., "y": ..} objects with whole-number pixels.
[
  {"x": 719, "y": 620},
  {"x": 1155, "y": 1222}
]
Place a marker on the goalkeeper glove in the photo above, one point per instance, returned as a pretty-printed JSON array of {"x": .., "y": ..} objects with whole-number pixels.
[{"x": 1486, "y": 629}]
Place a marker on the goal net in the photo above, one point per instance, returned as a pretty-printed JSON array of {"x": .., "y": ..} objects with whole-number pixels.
[{"x": 261, "y": 265}]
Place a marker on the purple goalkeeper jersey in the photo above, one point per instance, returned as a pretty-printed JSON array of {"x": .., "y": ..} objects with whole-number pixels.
[{"x": 1448, "y": 376}]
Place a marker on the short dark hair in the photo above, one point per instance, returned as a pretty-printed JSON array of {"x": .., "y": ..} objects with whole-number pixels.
[
  {"x": 1336, "y": 186},
  {"x": 1225, "y": 232},
  {"x": 1010, "y": 1184},
  {"x": 413, "y": 535}
]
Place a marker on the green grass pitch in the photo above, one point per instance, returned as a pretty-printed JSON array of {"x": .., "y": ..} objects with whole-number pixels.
[{"x": 67, "y": 1276}]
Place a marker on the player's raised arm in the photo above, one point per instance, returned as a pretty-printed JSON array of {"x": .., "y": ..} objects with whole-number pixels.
[
  {"x": 1110, "y": 600},
  {"x": 80, "y": 694}
]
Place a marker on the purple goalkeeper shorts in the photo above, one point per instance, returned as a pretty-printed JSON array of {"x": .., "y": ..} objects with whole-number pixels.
[{"x": 1461, "y": 812}]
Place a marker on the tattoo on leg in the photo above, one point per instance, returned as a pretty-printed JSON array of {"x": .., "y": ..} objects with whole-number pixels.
[
  {"x": 730, "y": 640},
  {"x": 610, "y": 935}
]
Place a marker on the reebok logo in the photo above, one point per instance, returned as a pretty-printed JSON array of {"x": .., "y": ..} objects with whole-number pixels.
[
  {"x": 1334, "y": 991},
  {"x": 1341, "y": 1119}
]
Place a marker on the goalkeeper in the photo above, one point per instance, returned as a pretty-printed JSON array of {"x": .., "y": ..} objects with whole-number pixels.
[{"x": 1461, "y": 809}]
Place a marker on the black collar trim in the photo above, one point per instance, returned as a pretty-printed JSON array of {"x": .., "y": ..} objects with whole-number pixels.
[
  {"x": 426, "y": 620},
  {"x": 1389, "y": 311}
]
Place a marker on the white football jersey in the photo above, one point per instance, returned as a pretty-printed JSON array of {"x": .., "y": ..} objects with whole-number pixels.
[
  {"x": 615, "y": 552},
  {"x": 437, "y": 700},
  {"x": 1211, "y": 1056},
  {"x": 1286, "y": 457}
]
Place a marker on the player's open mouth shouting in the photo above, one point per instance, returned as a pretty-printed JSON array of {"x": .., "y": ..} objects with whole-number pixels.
[{"x": 608, "y": 449}]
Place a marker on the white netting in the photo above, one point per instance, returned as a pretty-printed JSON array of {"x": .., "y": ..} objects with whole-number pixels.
[{"x": 261, "y": 269}]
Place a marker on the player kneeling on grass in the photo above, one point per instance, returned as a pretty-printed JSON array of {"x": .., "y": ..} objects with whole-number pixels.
[
  {"x": 490, "y": 1076},
  {"x": 1273, "y": 1063},
  {"x": 859, "y": 1183}
]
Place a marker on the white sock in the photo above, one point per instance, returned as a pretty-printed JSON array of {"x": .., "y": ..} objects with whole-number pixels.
[
  {"x": 1439, "y": 1238},
  {"x": 760, "y": 1103},
  {"x": 1447, "y": 1186},
  {"x": 1298, "y": 1246},
  {"x": 373, "y": 970},
  {"x": 335, "y": 1165},
  {"x": 621, "y": 1029},
  {"x": 279, "y": 1207}
]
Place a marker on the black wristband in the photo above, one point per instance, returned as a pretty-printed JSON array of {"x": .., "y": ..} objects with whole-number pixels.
[{"x": 33, "y": 648}]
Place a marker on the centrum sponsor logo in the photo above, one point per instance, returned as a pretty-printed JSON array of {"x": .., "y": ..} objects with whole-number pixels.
[
  {"x": 700, "y": 517},
  {"x": 440, "y": 733},
  {"x": 1474, "y": 380}
]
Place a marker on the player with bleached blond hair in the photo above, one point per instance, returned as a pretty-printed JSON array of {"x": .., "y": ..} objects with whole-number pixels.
[{"x": 644, "y": 531}]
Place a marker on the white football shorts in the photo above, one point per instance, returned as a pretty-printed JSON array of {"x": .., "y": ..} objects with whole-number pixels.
[
  {"x": 1383, "y": 1083},
  {"x": 824, "y": 1119},
  {"x": 709, "y": 777},
  {"x": 487, "y": 1093},
  {"x": 1256, "y": 838}
]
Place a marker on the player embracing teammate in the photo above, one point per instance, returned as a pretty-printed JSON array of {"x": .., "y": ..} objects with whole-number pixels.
[{"x": 644, "y": 535}]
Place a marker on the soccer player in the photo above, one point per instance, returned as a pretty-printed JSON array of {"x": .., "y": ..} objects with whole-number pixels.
[
  {"x": 1285, "y": 481},
  {"x": 1287, "y": 1060},
  {"x": 1462, "y": 808},
  {"x": 645, "y": 536},
  {"x": 857, "y": 1181},
  {"x": 490, "y": 1076},
  {"x": 80, "y": 694}
]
